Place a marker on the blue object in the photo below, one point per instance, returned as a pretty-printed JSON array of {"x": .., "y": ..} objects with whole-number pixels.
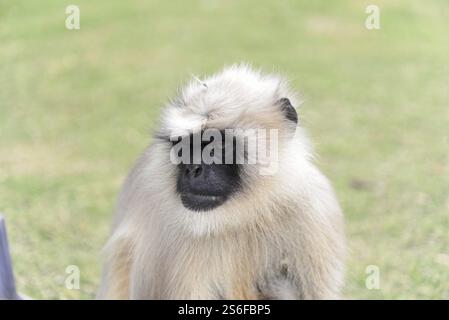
[{"x": 7, "y": 285}]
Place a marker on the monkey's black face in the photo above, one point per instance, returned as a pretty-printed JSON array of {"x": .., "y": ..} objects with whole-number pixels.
[
  {"x": 211, "y": 161},
  {"x": 205, "y": 186}
]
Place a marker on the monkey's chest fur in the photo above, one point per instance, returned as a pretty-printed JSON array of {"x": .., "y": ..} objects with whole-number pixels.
[{"x": 214, "y": 267}]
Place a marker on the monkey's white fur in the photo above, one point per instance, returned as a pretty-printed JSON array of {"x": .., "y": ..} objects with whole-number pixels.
[{"x": 280, "y": 237}]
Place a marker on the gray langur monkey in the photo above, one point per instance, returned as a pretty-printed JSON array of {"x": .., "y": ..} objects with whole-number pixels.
[{"x": 226, "y": 231}]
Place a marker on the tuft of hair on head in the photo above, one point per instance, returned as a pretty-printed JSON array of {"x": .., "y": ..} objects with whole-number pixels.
[{"x": 199, "y": 81}]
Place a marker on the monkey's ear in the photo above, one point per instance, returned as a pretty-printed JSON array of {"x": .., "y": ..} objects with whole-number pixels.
[{"x": 288, "y": 110}]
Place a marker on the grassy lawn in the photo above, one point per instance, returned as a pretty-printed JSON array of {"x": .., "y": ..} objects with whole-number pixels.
[{"x": 77, "y": 107}]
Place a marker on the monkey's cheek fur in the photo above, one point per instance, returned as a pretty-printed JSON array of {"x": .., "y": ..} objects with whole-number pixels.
[{"x": 200, "y": 202}]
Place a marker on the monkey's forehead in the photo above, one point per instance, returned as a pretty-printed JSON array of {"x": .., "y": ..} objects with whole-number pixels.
[
  {"x": 237, "y": 97},
  {"x": 183, "y": 121}
]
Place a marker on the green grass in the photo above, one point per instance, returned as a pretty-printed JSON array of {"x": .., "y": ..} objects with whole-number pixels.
[{"x": 77, "y": 107}]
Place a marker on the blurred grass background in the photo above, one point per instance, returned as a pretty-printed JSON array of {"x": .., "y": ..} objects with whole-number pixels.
[{"x": 77, "y": 107}]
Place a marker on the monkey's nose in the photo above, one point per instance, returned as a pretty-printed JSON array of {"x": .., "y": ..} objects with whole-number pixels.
[{"x": 193, "y": 170}]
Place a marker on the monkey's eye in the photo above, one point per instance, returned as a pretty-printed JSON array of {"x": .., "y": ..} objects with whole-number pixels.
[{"x": 175, "y": 140}]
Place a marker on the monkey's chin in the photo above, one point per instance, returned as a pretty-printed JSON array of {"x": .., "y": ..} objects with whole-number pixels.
[{"x": 201, "y": 202}]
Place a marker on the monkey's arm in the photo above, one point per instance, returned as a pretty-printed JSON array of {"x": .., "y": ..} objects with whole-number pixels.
[
  {"x": 313, "y": 244},
  {"x": 317, "y": 268},
  {"x": 115, "y": 281},
  {"x": 312, "y": 270},
  {"x": 318, "y": 273}
]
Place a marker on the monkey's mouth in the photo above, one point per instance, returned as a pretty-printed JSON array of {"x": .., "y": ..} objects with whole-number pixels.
[{"x": 201, "y": 202}]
